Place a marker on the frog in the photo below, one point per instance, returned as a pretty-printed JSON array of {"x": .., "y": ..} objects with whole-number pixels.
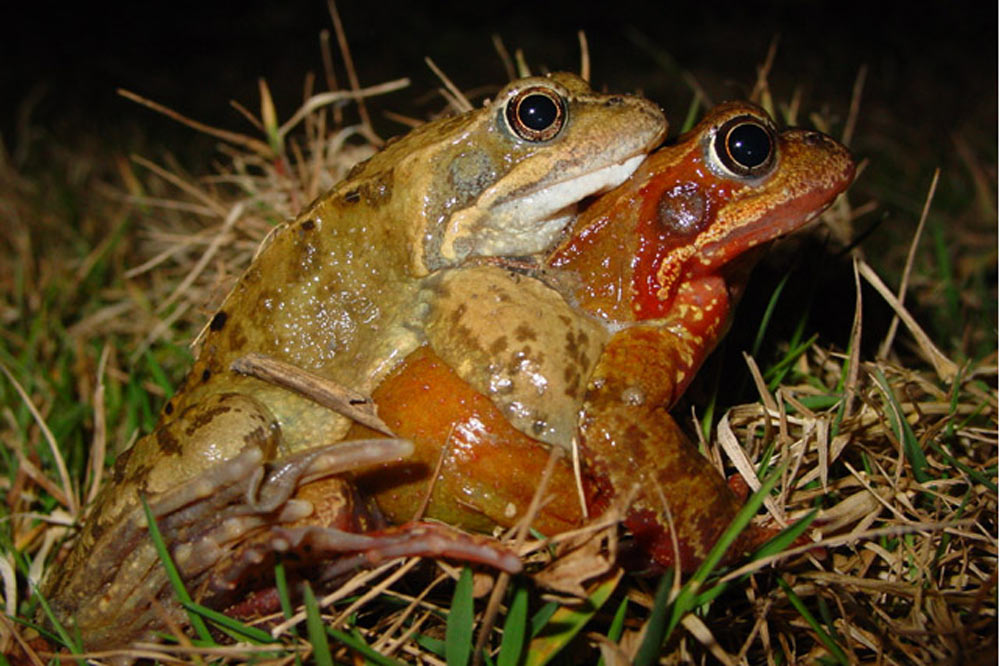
[
  {"x": 335, "y": 293},
  {"x": 638, "y": 291}
]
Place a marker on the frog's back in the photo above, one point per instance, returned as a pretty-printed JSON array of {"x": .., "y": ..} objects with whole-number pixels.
[{"x": 328, "y": 294}]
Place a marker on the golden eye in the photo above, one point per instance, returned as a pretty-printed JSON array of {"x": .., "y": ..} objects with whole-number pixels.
[
  {"x": 745, "y": 147},
  {"x": 536, "y": 114}
]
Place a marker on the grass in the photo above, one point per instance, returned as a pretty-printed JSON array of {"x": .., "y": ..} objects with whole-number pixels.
[{"x": 895, "y": 459}]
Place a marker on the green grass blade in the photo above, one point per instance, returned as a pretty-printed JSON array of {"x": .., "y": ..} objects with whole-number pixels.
[
  {"x": 358, "y": 644},
  {"x": 158, "y": 374},
  {"x": 687, "y": 598},
  {"x": 946, "y": 279},
  {"x": 514, "y": 629},
  {"x": 821, "y": 633},
  {"x": 74, "y": 645},
  {"x": 461, "y": 617},
  {"x": 974, "y": 474},
  {"x": 772, "y": 304},
  {"x": 285, "y": 600},
  {"x": 541, "y": 618},
  {"x": 691, "y": 117},
  {"x": 232, "y": 627},
  {"x": 786, "y": 537},
  {"x": 656, "y": 627},
  {"x": 566, "y": 623},
  {"x": 316, "y": 629},
  {"x": 775, "y": 375},
  {"x": 617, "y": 627},
  {"x": 435, "y": 646},
  {"x": 817, "y": 402},
  {"x": 904, "y": 433},
  {"x": 173, "y": 575}
]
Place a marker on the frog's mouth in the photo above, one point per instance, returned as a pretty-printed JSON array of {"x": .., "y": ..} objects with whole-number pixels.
[{"x": 527, "y": 220}]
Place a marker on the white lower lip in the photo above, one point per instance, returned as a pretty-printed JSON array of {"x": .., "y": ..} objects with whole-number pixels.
[
  {"x": 531, "y": 223},
  {"x": 556, "y": 197}
]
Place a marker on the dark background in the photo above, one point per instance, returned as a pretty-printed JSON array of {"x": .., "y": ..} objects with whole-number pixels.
[
  {"x": 931, "y": 85},
  {"x": 930, "y": 73}
]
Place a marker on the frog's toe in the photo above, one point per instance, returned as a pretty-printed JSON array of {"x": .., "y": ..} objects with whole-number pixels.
[
  {"x": 224, "y": 506},
  {"x": 417, "y": 539}
]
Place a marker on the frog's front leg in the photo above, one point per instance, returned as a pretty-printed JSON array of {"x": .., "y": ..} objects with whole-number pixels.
[
  {"x": 663, "y": 355},
  {"x": 628, "y": 437}
]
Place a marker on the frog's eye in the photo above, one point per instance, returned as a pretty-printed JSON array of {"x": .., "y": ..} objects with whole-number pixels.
[
  {"x": 744, "y": 147},
  {"x": 536, "y": 114}
]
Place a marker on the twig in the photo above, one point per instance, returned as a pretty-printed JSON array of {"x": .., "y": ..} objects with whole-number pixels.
[
  {"x": 945, "y": 368},
  {"x": 503, "y": 580},
  {"x": 235, "y": 213},
  {"x": 352, "y": 75},
  {"x": 883, "y": 350},
  {"x": 100, "y": 439},
  {"x": 67, "y": 497},
  {"x": 505, "y": 58},
  {"x": 584, "y": 56},
  {"x": 330, "y": 72},
  {"x": 854, "y": 111},
  {"x": 248, "y": 142},
  {"x": 458, "y": 98},
  {"x": 321, "y": 390}
]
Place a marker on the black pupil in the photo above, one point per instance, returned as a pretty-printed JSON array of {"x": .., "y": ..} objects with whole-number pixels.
[
  {"x": 537, "y": 112},
  {"x": 749, "y": 145}
]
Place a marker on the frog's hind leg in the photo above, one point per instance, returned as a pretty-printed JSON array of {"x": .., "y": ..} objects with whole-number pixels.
[
  {"x": 328, "y": 528},
  {"x": 416, "y": 539},
  {"x": 628, "y": 437}
]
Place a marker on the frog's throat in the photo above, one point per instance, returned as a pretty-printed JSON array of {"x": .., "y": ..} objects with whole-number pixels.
[{"x": 527, "y": 222}]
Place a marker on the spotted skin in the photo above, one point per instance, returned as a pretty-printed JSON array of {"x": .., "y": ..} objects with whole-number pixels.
[
  {"x": 518, "y": 342},
  {"x": 658, "y": 263},
  {"x": 335, "y": 292}
]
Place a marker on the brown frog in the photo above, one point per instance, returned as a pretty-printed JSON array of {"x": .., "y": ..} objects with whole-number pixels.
[
  {"x": 595, "y": 347},
  {"x": 336, "y": 292}
]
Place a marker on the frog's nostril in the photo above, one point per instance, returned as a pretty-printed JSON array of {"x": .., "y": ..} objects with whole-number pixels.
[
  {"x": 614, "y": 101},
  {"x": 816, "y": 138}
]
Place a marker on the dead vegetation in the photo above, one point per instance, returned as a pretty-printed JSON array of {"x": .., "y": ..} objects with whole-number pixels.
[{"x": 893, "y": 459}]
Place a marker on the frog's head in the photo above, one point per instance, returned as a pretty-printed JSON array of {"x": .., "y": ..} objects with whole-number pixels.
[
  {"x": 504, "y": 179},
  {"x": 732, "y": 183}
]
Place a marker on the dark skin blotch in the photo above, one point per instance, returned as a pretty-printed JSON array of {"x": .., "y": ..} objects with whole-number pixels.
[
  {"x": 465, "y": 334},
  {"x": 524, "y": 332},
  {"x": 571, "y": 345},
  {"x": 571, "y": 378},
  {"x": 499, "y": 345},
  {"x": 204, "y": 418},
  {"x": 218, "y": 321},
  {"x": 378, "y": 190},
  {"x": 169, "y": 444}
]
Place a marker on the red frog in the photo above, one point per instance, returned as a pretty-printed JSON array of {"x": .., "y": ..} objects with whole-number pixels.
[{"x": 598, "y": 345}]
